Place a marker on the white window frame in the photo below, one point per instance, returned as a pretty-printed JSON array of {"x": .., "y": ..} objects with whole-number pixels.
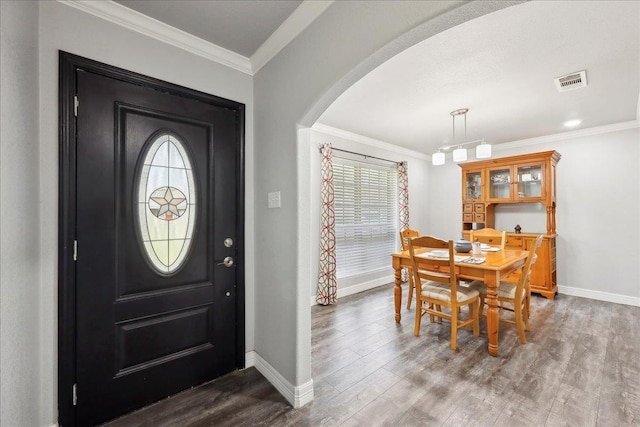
[{"x": 366, "y": 230}]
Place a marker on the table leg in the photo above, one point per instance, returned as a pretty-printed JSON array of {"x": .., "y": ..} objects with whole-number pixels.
[
  {"x": 397, "y": 289},
  {"x": 491, "y": 279}
]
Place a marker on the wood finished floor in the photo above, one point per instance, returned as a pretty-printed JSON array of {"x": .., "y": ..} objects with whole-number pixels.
[{"x": 581, "y": 367}]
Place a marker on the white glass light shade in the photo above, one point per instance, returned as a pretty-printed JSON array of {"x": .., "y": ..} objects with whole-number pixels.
[
  {"x": 483, "y": 151},
  {"x": 437, "y": 159},
  {"x": 460, "y": 154}
]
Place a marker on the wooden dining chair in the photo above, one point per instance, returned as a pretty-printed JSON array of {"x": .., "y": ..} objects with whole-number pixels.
[
  {"x": 405, "y": 235},
  {"x": 490, "y": 236},
  {"x": 437, "y": 288},
  {"x": 515, "y": 298}
]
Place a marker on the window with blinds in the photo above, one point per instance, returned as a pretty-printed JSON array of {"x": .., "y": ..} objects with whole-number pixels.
[{"x": 366, "y": 210}]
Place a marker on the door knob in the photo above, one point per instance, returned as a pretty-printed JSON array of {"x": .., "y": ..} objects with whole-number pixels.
[{"x": 227, "y": 261}]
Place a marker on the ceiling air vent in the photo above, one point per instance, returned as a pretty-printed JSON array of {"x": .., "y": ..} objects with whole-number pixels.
[{"x": 571, "y": 81}]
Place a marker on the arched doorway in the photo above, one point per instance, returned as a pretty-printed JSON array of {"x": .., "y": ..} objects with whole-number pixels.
[{"x": 306, "y": 153}]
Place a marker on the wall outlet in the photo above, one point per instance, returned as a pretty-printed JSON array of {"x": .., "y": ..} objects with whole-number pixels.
[{"x": 274, "y": 199}]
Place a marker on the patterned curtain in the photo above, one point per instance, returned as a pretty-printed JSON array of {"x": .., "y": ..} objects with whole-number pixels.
[
  {"x": 327, "y": 284},
  {"x": 403, "y": 203}
]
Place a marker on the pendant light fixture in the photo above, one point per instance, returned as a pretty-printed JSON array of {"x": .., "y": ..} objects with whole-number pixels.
[{"x": 483, "y": 150}]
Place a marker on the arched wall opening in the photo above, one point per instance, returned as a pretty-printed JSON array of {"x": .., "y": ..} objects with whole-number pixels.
[{"x": 308, "y": 159}]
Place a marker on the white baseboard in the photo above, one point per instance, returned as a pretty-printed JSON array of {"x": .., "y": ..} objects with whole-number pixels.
[
  {"x": 249, "y": 359},
  {"x": 350, "y": 290},
  {"x": 297, "y": 396},
  {"x": 599, "y": 295},
  {"x": 567, "y": 290}
]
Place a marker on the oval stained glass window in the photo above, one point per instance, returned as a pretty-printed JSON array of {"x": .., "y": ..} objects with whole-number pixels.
[{"x": 166, "y": 199}]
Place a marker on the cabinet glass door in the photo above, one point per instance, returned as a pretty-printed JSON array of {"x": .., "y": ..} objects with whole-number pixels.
[
  {"x": 500, "y": 184},
  {"x": 473, "y": 185},
  {"x": 529, "y": 179}
]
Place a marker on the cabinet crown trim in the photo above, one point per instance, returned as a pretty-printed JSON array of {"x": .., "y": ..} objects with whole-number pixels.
[{"x": 523, "y": 158}]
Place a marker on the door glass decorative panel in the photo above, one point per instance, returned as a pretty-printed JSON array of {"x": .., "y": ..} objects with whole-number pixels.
[{"x": 166, "y": 201}]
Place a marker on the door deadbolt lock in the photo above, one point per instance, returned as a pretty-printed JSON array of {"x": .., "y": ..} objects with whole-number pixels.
[
  {"x": 227, "y": 261},
  {"x": 228, "y": 242},
  {"x": 228, "y": 294}
]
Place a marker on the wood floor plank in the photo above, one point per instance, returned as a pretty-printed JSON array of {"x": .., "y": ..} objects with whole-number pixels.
[
  {"x": 584, "y": 371},
  {"x": 579, "y": 368},
  {"x": 574, "y": 407},
  {"x": 435, "y": 406},
  {"x": 475, "y": 411},
  {"x": 356, "y": 397},
  {"x": 619, "y": 407},
  {"x": 380, "y": 412},
  {"x": 330, "y": 362},
  {"x": 552, "y": 357},
  {"x": 522, "y": 412}
]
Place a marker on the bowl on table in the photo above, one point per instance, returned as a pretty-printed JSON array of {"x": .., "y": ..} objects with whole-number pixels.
[{"x": 462, "y": 245}]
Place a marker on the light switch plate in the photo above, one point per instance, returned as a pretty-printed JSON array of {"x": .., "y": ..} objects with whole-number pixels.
[{"x": 274, "y": 199}]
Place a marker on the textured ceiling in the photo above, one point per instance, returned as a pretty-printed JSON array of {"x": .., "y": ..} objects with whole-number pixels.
[{"x": 501, "y": 66}]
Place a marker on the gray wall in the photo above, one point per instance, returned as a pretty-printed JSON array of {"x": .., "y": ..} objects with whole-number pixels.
[
  {"x": 19, "y": 244},
  {"x": 348, "y": 40},
  {"x": 28, "y": 362}
]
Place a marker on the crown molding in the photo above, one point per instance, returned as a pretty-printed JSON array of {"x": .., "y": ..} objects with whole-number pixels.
[
  {"x": 579, "y": 133},
  {"x": 329, "y": 130},
  {"x": 300, "y": 19},
  {"x": 118, "y": 14},
  {"x": 143, "y": 24}
]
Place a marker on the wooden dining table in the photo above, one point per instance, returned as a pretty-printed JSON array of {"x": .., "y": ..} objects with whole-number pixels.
[{"x": 497, "y": 265}]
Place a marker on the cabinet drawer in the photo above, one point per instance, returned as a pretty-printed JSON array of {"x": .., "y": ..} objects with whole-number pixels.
[
  {"x": 467, "y": 207},
  {"x": 479, "y": 217},
  {"x": 467, "y": 217},
  {"x": 514, "y": 242},
  {"x": 478, "y": 207}
]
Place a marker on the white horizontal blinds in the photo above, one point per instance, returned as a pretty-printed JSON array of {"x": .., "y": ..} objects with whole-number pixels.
[{"x": 366, "y": 212}]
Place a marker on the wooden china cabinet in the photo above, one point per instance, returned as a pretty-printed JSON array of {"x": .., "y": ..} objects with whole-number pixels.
[{"x": 529, "y": 178}]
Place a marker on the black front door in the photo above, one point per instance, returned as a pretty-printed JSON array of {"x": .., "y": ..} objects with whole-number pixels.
[{"x": 157, "y": 235}]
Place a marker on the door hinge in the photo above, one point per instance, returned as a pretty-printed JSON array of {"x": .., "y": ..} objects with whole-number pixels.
[
  {"x": 75, "y": 394},
  {"x": 75, "y": 105},
  {"x": 75, "y": 250}
]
